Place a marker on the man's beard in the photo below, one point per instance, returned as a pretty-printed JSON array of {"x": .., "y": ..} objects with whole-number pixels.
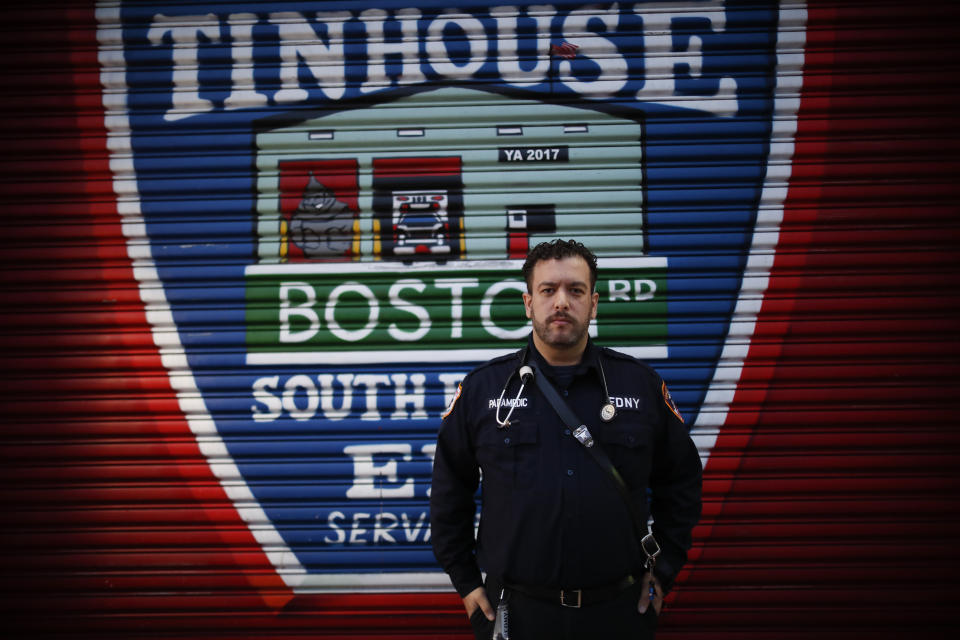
[{"x": 570, "y": 337}]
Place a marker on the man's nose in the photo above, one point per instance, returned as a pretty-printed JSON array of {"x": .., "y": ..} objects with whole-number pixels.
[{"x": 560, "y": 300}]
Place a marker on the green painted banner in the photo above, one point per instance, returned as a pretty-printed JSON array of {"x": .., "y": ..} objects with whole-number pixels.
[{"x": 377, "y": 312}]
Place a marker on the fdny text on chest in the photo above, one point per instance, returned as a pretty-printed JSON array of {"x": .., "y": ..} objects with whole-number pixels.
[{"x": 621, "y": 402}]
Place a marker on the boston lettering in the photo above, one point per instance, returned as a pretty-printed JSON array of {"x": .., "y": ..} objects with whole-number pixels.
[{"x": 306, "y": 314}]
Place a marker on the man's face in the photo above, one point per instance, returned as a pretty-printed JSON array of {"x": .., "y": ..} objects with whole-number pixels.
[{"x": 561, "y": 303}]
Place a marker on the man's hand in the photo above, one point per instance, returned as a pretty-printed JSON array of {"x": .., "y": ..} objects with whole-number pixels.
[
  {"x": 650, "y": 581},
  {"x": 478, "y": 598}
]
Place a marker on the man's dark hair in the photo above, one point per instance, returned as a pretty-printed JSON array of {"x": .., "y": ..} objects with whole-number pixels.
[{"x": 558, "y": 250}]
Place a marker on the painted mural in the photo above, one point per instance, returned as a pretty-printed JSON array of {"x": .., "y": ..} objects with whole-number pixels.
[{"x": 250, "y": 250}]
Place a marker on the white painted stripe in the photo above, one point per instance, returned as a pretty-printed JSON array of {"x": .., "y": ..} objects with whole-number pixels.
[
  {"x": 370, "y": 582},
  {"x": 394, "y": 267},
  {"x": 791, "y": 40},
  {"x": 650, "y": 352}
]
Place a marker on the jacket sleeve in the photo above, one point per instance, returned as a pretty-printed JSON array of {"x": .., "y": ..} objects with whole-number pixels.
[
  {"x": 456, "y": 477},
  {"x": 676, "y": 484}
]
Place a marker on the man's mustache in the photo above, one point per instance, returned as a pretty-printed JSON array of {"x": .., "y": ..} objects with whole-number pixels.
[{"x": 560, "y": 316}]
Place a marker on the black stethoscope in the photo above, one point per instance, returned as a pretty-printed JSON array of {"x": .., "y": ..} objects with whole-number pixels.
[{"x": 607, "y": 412}]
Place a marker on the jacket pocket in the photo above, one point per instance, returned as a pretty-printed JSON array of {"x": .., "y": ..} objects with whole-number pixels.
[
  {"x": 509, "y": 457},
  {"x": 628, "y": 441}
]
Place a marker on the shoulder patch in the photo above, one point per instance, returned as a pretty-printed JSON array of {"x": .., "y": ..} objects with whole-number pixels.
[
  {"x": 668, "y": 400},
  {"x": 456, "y": 397}
]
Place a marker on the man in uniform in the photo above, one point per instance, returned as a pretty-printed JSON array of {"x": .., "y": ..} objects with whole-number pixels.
[{"x": 556, "y": 538}]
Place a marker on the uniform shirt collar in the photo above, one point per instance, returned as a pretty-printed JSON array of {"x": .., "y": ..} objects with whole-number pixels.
[{"x": 590, "y": 359}]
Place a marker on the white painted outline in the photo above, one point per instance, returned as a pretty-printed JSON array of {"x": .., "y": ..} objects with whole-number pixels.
[
  {"x": 791, "y": 39},
  {"x": 393, "y": 267},
  {"x": 653, "y": 352}
]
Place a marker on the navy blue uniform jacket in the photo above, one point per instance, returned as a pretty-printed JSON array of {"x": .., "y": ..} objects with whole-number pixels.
[{"x": 549, "y": 515}]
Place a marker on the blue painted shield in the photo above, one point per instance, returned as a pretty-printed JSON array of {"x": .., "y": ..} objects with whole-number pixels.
[{"x": 328, "y": 209}]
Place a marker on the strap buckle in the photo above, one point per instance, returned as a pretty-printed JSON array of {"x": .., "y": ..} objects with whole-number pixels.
[
  {"x": 650, "y": 546},
  {"x": 565, "y": 603},
  {"x": 582, "y": 434},
  {"x": 651, "y": 549}
]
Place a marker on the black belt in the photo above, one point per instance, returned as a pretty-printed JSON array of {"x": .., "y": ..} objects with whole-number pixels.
[{"x": 575, "y": 598}]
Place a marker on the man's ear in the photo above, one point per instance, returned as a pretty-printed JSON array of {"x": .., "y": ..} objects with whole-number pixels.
[
  {"x": 527, "y": 300},
  {"x": 596, "y": 303}
]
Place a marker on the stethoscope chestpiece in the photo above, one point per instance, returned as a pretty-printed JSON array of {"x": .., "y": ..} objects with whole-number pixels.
[{"x": 608, "y": 412}]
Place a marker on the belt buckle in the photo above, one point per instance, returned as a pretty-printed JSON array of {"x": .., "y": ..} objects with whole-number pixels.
[{"x": 563, "y": 598}]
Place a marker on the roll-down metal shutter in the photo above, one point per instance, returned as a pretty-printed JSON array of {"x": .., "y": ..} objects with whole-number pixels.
[{"x": 250, "y": 250}]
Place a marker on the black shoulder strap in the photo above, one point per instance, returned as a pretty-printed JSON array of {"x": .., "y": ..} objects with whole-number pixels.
[{"x": 582, "y": 434}]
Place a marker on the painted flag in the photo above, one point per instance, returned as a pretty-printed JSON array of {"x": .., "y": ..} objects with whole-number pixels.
[{"x": 564, "y": 50}]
